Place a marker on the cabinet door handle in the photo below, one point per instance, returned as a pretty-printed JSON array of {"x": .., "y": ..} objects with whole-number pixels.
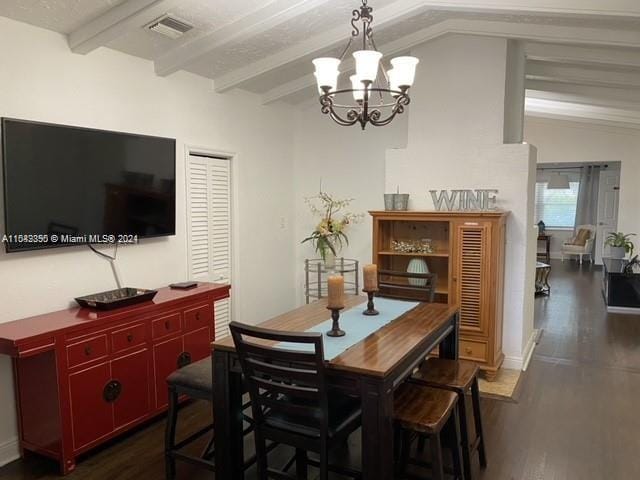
[
  {"x": 130, "y": 338},
  {"x": 88, "y": 350},
  {"x": 468, "y": 350},
  {"x": 167, "y": 324},
  {"x": 197, "y": 315}
]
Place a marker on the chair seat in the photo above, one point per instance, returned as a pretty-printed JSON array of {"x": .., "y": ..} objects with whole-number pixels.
[
  {"x": 344, "y": 415},
  {"x": 440, "y": 372},
  {"x": 570, "y": 248},
  {"x": 423, "y": 409},
  {"x": 196, "y": 378}
]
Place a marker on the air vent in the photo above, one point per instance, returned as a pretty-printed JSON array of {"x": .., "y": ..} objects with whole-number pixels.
[{"x": 169, "y": 26}]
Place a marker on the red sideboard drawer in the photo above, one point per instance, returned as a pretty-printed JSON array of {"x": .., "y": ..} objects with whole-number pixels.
[
  {"x": 197, "y": 317},
  {"x": 128, "y": 337},
  {"x": 87, "y": 350},
  {"x": 163, "y": 326}
]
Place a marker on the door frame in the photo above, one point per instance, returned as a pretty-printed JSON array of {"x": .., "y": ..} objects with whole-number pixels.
[
  {"x": 611, "y": 166},
  {"x": 235, "y": 217}
]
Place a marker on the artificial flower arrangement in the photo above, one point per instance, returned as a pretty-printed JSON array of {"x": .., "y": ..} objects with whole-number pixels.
[{"x": 329, "y": 235}]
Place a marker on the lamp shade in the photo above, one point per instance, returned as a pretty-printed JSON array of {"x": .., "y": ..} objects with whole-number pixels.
[
  {"x": 405, "y": 68},
  {"x": 326, "y": 72},
  {"x": 558, "y": 181},
  {"x": 358, "y": 88},
  {"x": 332, "y": 86},
  {"x": 394, "y": 84},
  {"x": 367, "y": 64}
]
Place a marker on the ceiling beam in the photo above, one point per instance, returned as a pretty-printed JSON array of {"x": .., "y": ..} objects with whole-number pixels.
[
  {"x": 270, "y": 16},
  {"x": 550, "y": 72},
  {"x": 316, "y": 45},
  {"x": 545, "y": 108},
  {"x": 115, "y": 22},
  {"x": 570, "y": 54},
  {"x": 597, "y": 95},
  {"x": 548, "y": 33}
]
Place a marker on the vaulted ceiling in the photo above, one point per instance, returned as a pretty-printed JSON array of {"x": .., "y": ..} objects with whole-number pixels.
[{"x": 583, "y": 55}]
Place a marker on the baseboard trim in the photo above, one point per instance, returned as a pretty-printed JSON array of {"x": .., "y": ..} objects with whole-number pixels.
[
  {"x": 9, "y": 451},
  {"x": 530, "y": 347},
  {"x": 512, "y": 362}
]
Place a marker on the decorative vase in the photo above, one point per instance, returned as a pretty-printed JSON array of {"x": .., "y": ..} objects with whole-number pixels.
[
  {"x": 417, "y": 265},
  {"x": 617, "y": 252},
  {"x": 329, "y": 260}
]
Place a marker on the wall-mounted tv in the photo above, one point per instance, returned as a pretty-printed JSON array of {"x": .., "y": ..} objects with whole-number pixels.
[{"x": 67, "y": 185}]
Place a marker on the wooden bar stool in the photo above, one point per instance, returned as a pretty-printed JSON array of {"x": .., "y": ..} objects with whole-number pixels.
[
  {"x": 427, "y": 412},
  {"x": 458, "y": 376},
  {"x": 195, "y": 381}
]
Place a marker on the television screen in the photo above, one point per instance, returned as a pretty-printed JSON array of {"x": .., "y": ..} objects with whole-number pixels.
[{"x": 68, "y": 185}]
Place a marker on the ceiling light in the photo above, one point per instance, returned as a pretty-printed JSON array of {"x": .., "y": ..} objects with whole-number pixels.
[{"x": 371, "y": 80}]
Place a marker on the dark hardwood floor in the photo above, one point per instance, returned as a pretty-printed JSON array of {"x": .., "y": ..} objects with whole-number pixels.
[{"x": 577, "y": 415}]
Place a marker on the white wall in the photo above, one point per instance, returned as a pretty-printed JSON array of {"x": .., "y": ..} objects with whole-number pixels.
[
  {"x": 351, "y": 164},
  {"x": 41, "y": 80},
  {"x": 560, "y": 141}
]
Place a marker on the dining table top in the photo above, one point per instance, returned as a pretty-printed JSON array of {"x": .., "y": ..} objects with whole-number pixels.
[{"x": 377, "y": 354}]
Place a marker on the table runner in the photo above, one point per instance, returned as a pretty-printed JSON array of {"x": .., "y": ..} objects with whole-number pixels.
[{"x": 356, "y": 326}]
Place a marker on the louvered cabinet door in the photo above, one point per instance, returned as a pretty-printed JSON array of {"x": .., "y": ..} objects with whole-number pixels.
[{"x": 472, "y": 275}]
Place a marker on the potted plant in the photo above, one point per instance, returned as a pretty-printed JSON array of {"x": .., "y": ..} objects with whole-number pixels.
[
  {"x": 329, "y": 235},
  {"x": 620, "y": 244}
]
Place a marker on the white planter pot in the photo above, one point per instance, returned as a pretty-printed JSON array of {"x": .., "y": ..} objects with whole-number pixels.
[{"x": 617, "y": 252}]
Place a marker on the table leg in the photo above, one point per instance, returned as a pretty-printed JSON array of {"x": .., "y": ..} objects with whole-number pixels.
[
  {"x": 227, "y": 408},
  {"x": 449, "y": 346},
  {"x": 377, "y": 430}
]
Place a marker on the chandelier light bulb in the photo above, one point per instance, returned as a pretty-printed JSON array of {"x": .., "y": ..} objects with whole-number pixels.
[
  {"x": 367, "y": 64},
  {"x": 405, "y": 70},
  {"x": 326, "y": 72}
]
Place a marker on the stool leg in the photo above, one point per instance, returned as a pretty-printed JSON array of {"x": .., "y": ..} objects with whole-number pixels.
[
  {"x": 170, "y": 435},
  {"x": 437, "y": 468},
  {"x": 477, "y": 417},
  {"x": 261, "y": 456},
  {"x": 301, "y": 464},
  {"x": 453, "y": 428},
  {"x": 464, "y": 433}
]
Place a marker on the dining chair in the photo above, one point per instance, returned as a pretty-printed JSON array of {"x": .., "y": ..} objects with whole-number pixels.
[
  {"x": 431, "y": 413},
  {"x": 460, "y": 377},
  {"x": 407, "y": 285},
  {"x": 290, "y": 400}
]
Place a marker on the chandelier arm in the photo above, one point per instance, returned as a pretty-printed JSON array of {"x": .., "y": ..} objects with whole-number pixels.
[
  {"x": 327, "y": 108},
  {"x": 346, "y": 49},
  {"x": 398, "y": 109},
  {"x": 355, "y": 17}
]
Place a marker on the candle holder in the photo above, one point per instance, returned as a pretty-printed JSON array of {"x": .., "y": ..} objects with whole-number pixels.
[
  {"x": 335, "y": 327},
  {"x": 370, "y": 311}
]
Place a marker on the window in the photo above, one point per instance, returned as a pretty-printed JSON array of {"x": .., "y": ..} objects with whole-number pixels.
[{"x": 556, "y": 208}]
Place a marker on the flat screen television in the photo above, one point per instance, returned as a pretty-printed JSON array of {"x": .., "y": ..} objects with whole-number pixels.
[{"x": 67, "y": 185}]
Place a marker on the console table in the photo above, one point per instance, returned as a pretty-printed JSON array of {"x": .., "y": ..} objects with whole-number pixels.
[
  {"x": 84, "y": 376},
  {"x": 621, "y": 290}
]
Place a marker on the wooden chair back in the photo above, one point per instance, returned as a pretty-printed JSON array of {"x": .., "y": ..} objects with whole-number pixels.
[
  {"x": 284, "y": 379},
  {"x": 407, "y": 286}
]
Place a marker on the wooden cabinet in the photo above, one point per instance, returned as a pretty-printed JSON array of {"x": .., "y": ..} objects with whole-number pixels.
[
  {"x": 468, "y": 257},
  {"x": 84, "y": 376}
]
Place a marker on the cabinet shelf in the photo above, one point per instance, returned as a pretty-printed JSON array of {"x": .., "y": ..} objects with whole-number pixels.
[{"x": 442, "y": 254}]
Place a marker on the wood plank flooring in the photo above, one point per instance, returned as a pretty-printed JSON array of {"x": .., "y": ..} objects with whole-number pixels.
[{"x": 577, "y": 415}]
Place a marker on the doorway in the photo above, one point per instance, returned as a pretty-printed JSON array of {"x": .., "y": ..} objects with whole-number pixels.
[{"x": 608, "y": 201}]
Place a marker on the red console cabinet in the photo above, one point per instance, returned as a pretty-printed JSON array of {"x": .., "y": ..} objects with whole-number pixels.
[{"x": 83, "y": 376}]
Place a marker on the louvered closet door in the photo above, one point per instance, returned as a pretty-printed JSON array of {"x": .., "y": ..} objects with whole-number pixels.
[
  {"x": 209, "y": 227},
  {"x": 472, "y": 275}
]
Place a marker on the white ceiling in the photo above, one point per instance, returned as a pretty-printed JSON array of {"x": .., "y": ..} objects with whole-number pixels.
[{"x": 265, "y": 46}]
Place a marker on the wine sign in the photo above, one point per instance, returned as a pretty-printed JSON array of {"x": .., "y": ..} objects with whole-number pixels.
[{"x": 450, "y": 200}]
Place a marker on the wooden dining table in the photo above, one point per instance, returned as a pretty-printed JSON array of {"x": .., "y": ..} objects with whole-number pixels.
[{"x": 371, "y": 369}]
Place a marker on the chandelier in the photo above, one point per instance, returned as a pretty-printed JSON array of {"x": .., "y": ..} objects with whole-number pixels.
[{"x": 378, "y": 94}]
